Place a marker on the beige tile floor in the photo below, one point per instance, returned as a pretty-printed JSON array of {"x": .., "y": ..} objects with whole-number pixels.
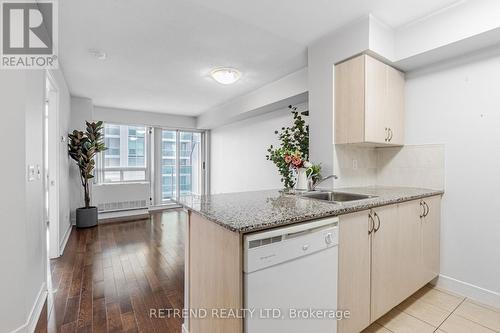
[{"x": 435, "y": 310}]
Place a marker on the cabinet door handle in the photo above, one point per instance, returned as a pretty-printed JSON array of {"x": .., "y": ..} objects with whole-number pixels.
[
  {"x": 390, "y": 135},
  {"x": 386, "y": 134},
  {"x": 372, "y": 223},
  {"x": 378, "y": 224},
  {"x": 428, "y": 209},
  {"x": 422, "y": 214}
]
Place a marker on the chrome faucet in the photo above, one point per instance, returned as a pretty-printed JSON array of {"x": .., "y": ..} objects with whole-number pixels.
[{"x": 311, "y": 185}]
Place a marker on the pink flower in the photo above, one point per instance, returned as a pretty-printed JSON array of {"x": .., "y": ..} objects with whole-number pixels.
[
  {"x": 297, "y": 162},
  {"x": 288, "y": 159}
]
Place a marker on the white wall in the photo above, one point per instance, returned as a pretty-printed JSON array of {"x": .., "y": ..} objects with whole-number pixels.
[
  {"x": 13, "y": 303},
  {"x": 238, "y": 153},
  {"x": 457, "y": 104},
  {"x": 131, "y": 117},
  {"x": 82, "y": 110}
]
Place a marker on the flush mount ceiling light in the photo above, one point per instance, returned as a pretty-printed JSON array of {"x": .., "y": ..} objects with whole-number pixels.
[
  {"x": 99, "y": 54},
  {"x": 225, "y": 75}
]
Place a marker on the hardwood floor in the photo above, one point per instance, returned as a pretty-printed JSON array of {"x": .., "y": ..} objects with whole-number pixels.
[{"x": 111, "y": 276}]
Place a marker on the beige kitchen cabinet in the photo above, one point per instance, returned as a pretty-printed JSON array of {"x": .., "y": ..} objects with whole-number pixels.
[
  {"x": 386, "y": 259},
  {"x": 214, "y": 274},
  {"x": 385, "y": 255},
  {"x": 409, "y": 247},
  {"x": 354, "y": 271},
  {"x": 431, "y": 230},
  {"x": 405, "y": 251},
  {"x": 369, "y": 103}
]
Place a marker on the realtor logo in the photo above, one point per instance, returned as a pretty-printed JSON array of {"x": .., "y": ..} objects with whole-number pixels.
[{"x": 29, "y": 35}]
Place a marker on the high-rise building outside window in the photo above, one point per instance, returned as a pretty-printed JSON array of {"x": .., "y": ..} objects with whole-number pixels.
[{"x": 125, "y": 159}]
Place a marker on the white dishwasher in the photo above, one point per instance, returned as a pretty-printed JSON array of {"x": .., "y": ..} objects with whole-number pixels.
[{"x": 291, "y": 278}]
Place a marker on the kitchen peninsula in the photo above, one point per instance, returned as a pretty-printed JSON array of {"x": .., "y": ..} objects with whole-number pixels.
[{"x": 388, "y": 247}]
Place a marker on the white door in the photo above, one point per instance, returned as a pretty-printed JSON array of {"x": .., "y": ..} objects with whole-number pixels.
[{"x": 51, "y": 167}]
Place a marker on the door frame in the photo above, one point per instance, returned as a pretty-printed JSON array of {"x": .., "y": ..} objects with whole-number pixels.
[{"x": 51, "y": 179}]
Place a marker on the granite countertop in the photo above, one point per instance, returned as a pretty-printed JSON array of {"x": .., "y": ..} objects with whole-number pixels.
[{"x": 252, "y": 211}]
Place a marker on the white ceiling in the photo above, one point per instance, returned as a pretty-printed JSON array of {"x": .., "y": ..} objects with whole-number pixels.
[{"x": 159, "y": 52}]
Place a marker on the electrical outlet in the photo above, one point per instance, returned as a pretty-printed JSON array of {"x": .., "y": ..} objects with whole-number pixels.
[{"x": 355, "y": 164}]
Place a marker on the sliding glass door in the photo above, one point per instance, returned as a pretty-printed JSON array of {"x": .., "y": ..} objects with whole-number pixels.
[
  {"x": 190, "y": 166},
  {"x": 180, "y": 164},
  {"x": 168, "y": 172}
]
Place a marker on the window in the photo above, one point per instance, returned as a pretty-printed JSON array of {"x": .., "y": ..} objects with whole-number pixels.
[{"x": 125, "y": 159}]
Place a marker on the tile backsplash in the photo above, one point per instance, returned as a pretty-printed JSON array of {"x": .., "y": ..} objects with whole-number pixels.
[
  {"x": 355, "y": 166},
  {"x": 412, "y": 166}
]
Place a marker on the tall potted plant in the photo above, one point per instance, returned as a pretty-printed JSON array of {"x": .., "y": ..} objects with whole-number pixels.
[{"x": 83, "y": 147}]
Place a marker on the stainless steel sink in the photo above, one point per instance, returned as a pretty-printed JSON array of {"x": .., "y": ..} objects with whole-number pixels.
[{"x": 335, "y": 196}]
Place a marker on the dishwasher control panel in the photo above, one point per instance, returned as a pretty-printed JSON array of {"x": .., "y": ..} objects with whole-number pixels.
[{"x": 280, "y": 245}]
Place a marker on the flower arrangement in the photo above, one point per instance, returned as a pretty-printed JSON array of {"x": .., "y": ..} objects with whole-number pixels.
[{"x": 293, "y": 152}]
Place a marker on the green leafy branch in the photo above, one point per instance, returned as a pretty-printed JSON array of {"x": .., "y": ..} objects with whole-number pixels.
[{"x": 293, "y": 140}]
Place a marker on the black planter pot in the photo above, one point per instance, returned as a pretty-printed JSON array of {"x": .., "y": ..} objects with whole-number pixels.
[{"x": 86, "y": 217}]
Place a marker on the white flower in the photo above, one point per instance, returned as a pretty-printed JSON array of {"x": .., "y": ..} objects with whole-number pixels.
[{"x": 307, "y": 164}]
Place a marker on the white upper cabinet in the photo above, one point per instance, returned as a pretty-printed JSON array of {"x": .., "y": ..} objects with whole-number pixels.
[{"x": 369, "y": 103}]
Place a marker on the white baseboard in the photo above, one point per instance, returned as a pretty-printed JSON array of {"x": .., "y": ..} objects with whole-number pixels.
[
  {"x": 36, "y": 310},
  {"x": 478, "y": 294},
  {"x": 123, "y": 216},
  {"x": 184, "y": 329},
  {"x": 159, "y": 208},
  {"x": 62, "y": 246}
]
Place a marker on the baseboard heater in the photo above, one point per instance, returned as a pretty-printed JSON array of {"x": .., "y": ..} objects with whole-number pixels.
[
  {"x": 121, "y": 196},
  {"x": 121, "y": 206}
]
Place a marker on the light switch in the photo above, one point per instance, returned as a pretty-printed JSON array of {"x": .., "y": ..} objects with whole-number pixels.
[{"x": 31, "y": 173}]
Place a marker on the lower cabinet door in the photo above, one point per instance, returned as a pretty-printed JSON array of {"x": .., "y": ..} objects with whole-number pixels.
[
  {"x": 430, "y": 239},
  {"x": 354, "y": 271},
  {"x": 386, "y": 260},
  {"x": 410, "y": 248}
]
